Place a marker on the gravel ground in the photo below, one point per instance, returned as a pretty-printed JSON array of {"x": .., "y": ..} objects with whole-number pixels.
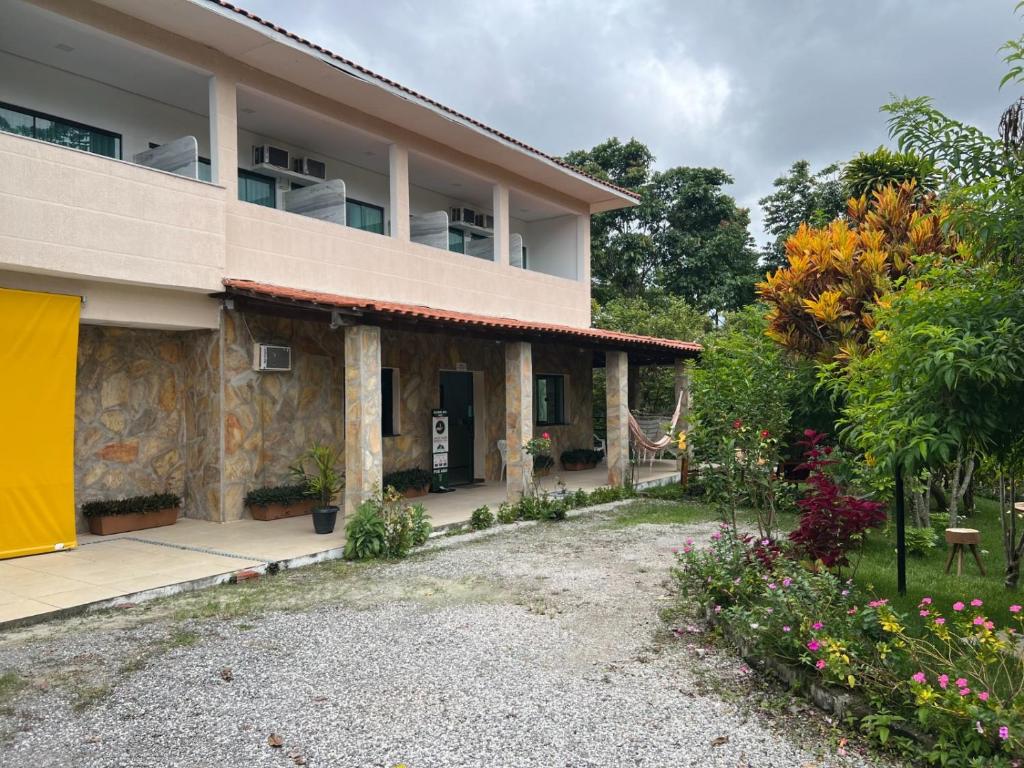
[{"x": 535, "y": 646}]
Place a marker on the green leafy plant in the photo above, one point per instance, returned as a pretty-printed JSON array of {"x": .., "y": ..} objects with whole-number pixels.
[
  {"x": 481, "y": 518},
  {"x": 277, "y": 494},
  {"x": 421, "y": 526},
  {"x": 366, "y": 535},
  {"x": 506, "y": 513},
  {"x": 132, "y": 505},
  {"x": 920, "y": 541},
  {"x": 323, "y": 481},
  {"x": 408, "y": 479}
]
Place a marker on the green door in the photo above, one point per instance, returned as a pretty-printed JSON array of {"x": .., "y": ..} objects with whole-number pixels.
[{"x": 457, "y": 399}]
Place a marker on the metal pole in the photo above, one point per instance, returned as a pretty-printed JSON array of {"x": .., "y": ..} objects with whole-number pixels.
[{"x": 901, "y": 535}]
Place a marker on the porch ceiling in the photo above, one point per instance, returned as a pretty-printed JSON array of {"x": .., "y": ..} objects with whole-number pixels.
[{"x": 317, "y": 306}]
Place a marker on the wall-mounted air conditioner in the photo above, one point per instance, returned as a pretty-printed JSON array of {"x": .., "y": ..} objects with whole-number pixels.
[
  {"x": 463, "y": 216},
  {"x": 270, "y": 155},
  {"x": 309, "y": 167},
  {"x": 271, "y": 357}
]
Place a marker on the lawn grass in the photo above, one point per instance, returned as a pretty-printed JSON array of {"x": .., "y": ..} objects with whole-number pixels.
[{"x": 663, "y": 513}]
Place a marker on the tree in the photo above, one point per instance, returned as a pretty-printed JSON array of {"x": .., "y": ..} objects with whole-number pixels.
[
  {"x": 870, "y": 171},
  {"x": 686, "y": 237},
  {"x": 822, "y": 302},
  {"x": 800, "y": 197}
]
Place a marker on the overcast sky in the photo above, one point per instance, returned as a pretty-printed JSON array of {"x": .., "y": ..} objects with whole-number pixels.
[{"x": 747, "y": 86}]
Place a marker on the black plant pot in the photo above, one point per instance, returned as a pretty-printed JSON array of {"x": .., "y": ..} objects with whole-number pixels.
[{"x": 324, "y": 519}]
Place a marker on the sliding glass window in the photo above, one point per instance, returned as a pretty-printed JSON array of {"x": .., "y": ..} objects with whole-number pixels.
[
  {"x": 257, "y": 188},
  {"x": 36, "y": 125},
  {"x": 364, "y": 216}
]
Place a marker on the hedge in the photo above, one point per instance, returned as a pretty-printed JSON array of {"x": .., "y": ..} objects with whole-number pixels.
[
  {"x": 278, "y": 494},
  {"x": 131, "y": 506}
]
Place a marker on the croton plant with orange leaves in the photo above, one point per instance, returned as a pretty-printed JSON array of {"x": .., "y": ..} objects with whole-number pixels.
[{"x": 820, "y": 305}]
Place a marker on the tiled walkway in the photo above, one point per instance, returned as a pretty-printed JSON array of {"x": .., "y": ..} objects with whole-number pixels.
[{"x": 129, "y": 567}]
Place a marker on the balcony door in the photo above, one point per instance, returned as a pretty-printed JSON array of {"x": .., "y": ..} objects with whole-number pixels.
[{"x": 457, "y": 399}]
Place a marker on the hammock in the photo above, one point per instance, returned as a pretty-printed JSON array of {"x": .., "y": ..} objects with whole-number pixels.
[{"x": 647, "y": 448}]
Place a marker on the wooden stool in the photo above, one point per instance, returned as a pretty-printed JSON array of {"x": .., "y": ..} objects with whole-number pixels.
[{"x": 960, "y": 538}]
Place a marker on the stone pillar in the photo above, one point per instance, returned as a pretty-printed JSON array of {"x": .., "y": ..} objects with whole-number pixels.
[
  {"x": 682, "y": 382},
  {"x": 519, "y": 416},
  {"x": 398, "y": 183},
  {"x": 224, "y": 135},
  {"x": 363, "y": 451},
  {"x": 501, "y": 224},
  {"x": 617, "y": 375}
]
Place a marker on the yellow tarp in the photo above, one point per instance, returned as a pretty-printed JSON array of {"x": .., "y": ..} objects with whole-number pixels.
[{"x": 38, "y": 357}]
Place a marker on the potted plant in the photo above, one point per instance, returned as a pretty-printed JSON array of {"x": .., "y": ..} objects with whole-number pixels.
[
  {"x": 540, "y": 449},
  {"x": 411, "y": 483},
  {"x": 323, "y": 483},
  {"x": 279, "y": 501},
  {"x": 132, "y": 514},
  {"x": 577, "y": 459}
]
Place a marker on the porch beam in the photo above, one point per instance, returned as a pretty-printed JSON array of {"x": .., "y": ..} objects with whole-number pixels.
[
  {"x": 363, "y": 442},
  {"x": 682, "y": 389},
  {"x": 518, "y": 417},
  {"x": 617, "y": 414},
  {"x": 501, "y": 224},
  {"x": 224, "y": 134}
]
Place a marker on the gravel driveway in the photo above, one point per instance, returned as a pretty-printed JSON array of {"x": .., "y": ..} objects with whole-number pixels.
[{"x": 528, "y": 646}]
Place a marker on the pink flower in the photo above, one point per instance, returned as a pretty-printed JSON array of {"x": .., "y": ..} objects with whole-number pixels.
[
  {"x": 772, "y": 585},
  {"x": 940, "y": 621},
  {"x": 877, "y": 603},
  {"x": 718, "y": 609},
  {"x": 716, "y": 536},
  {"x": 820, "y": 664},
  {"x": 852, "y": 611},
  {"x": 983, "y": 695},
  {"x": 964, "y": 691},
  {"x": 1004, "y": 732},
  {"x": 923, "y": 613},
  {"x": 787, "y": 581},
  {"x": 943, "y": 681},
  {"x": 979, "y": 620},
  {"x": 976, "y": 603},
  {"x": 845, "y": 592},
  {"x": 817, "y": 625},
  {"x": 958, "y": 606},
  {"x": 926, "y": 601},
  {"x": 989, "y": 625},
  {"x": 814, "y": 645},
  {"x": 919, "y": 677},
  {"x": 785, "y": 629},
  {"x": 961, "y": 682},
  {"x": 737, "y": 424},
  {"x": 1014, "y": 609}
]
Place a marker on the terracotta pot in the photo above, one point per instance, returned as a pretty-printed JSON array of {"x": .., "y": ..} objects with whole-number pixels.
[
  {"x": 415, "y": 493},
  {"x": 278, "y": 511},
  {"x": 137, "y": 521},
  {"x": 577, "y": 466}
]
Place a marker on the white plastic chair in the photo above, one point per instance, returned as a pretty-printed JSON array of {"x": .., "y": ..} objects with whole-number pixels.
[
  {"x": 503, "y": 450},
  {"x": 599, "y": 445}
]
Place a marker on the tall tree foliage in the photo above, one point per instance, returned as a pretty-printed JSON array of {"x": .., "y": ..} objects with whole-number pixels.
[{"x": 687, "y": 236}]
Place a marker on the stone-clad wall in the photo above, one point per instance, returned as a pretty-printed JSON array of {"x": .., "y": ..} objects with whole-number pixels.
[
  {"x": 202, "y": 419},
  {"x": 271, "y": 418},
  {"x": 577, "y": 364},
  {"x": 129, "y": 413}
]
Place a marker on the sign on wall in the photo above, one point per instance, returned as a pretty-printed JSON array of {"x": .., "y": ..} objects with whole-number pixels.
[{"x": 439, "y": 450}]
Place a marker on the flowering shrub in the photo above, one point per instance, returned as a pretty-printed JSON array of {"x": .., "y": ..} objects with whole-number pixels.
[
  {"x": 831, "y": 521},
  {"x": 959, "y": 677}
]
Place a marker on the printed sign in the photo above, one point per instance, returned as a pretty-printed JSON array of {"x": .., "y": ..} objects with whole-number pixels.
[{"x": 439, "y": 449}]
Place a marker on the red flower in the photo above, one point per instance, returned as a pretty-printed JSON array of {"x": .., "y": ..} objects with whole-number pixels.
[
  {"x": 737, "y": 424},
  {"x": 765, "y": 434},
  {"x": 546, "y": 436}
]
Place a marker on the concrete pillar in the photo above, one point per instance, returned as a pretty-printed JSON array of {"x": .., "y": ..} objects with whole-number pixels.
[
  {"x": 519, "y": 417},
  {"x": 224, "y": 135},
  {"x": 363, "y": 450},
  {"x": 617, "y": 376},
  {"x": 583, "y": 248},
  {"x": 682, "y": 382},
  {"x": 398, "y": 181},
  {"x": 501, "y": 224}
]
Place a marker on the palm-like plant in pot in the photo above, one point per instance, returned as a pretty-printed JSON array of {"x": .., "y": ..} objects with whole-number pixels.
[{"x": 323, "y": 482}]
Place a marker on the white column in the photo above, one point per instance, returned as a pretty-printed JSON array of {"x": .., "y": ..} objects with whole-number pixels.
[
  {"x": 398, "y": 178},
  {"x": 583, "y": 248},
  {"x": 617, "y": 379},
  {"x": 224, "y": 135},
  {"x": 363, "y": 440},
  {"x": 501, "y": 224},
  {"x": 518, "y": 417},
  {"x": 682, "y": 387}
]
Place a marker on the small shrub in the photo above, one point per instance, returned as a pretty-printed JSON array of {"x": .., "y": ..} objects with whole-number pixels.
[
  {"x": 506, "y": 513},
  {"x": 940, "y": 522},
  {"x": 277, "y": 494},
  {"x": 529, "y": 508},
  {"x": 132, "y": 505},
  {"x": 408, "y": 479},
  {"x": 421, "y": 526},
  {"x": 921, "y": 540},
  {"x": 366, "y": 536},
  {"x": 577, "y": 499},
  {"x": 481, "y": 518}
]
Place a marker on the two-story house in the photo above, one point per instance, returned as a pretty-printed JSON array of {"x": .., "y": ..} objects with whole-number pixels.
[{"x": 220, "y": 242}]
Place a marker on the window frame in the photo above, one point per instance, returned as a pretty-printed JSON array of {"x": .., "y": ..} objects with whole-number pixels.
[
  {"x": 561, "y": 416},
  {"x": 364, "y": 204},
  {"x": 255, "y": 175},
  {"x": 35, "y": 114}
]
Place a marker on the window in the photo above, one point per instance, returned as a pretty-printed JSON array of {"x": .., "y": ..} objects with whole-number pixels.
[
  {"x": 456, "y": 240},
  {"x": 526, "y": 260},
  {"x": 364, "y": 216},
  {"x": 257, "y": 188},
  {"x": 27, "y": 122},
  {"x": 549, "y": 399},
  {"x": 205, "y": 168},
  {"x": 390, "y": 404}
]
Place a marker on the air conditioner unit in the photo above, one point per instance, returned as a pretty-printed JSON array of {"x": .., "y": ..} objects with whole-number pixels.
[
  {"x": 265, "y": 153},
  {"x": 309, "y": 167},
  {"x": 463, "y": 216},
  {"x": 488, "y": 221},
  {"x": 271, "y": 357}
]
